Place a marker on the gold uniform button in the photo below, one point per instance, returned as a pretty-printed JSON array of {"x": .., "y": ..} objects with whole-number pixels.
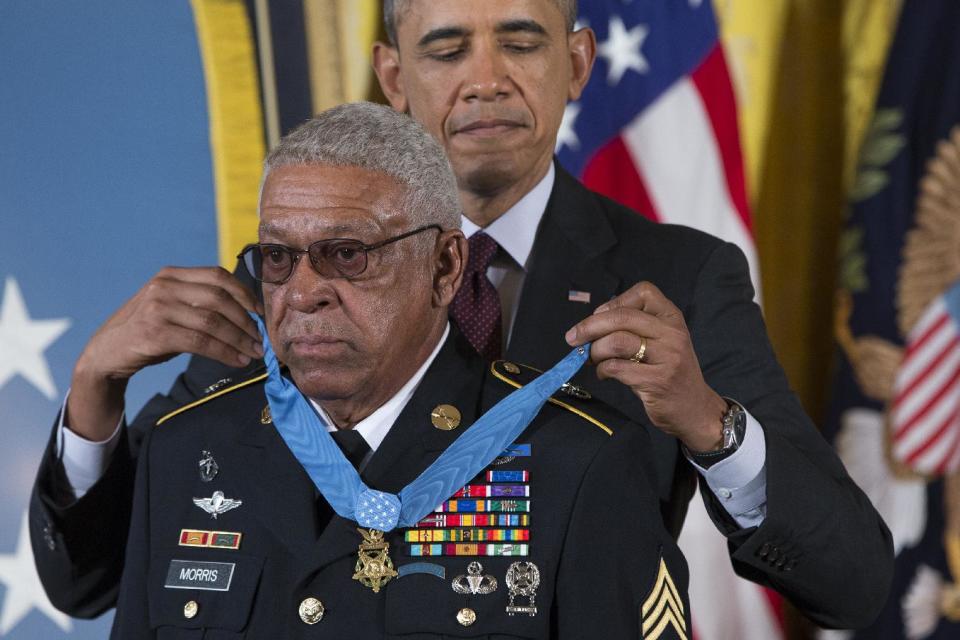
[
  {"x": 445, "y": 417},
  {"x": 466, "y": 616},
  {"x": 511, "y": 368},
  {"x": 190, "y": 609},
  {"x": 311, "y": 610}
]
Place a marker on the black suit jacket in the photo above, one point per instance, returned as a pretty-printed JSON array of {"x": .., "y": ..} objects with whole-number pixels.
[
  {"x": 595, "y": 534},
  {"x": 822, "y": 544}
]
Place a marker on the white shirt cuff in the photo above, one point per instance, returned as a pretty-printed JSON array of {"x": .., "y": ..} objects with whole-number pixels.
[
  {"x": 740, "y": 481},
  {"x": 84, "y": 461}
]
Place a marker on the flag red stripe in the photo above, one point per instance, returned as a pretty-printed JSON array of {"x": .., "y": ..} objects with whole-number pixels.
[
  {"x": 932, "y": 440},
  {"x": 944, "y": 466},
  {"x": 922, "y": 340},
  {"x": 712, "y": 81},
  {"x": 902, "y": 429},
  {"x": 925, "y": 409},
  {"x": 920, "y": 377},
  {"x": 612, "y": 173}
]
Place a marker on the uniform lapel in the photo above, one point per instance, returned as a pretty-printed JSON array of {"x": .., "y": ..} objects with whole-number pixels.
[
  {"x": 278, "y": 485},
  {"x": 455, "y": 378},
  {"x": 567, "y": 257}
]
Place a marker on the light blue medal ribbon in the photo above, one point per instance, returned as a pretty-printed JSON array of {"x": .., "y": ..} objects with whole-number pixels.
[{"x": 341, "y": 485}]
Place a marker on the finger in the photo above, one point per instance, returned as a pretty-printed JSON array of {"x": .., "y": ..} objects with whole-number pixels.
[
  {"x": 634, "y": 375},
  {"x": 622, "y": 345},
  {"x": 202, "y": 295},
  {"x": 184, "y": 340},
  {"x": 216, "y": 325},
  {"x": 644, "y": 296},
  {"x": 219, "y": 277},
  {"x": 602, "y": 324}
]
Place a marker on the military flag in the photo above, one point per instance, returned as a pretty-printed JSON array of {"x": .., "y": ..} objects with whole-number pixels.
[
  {"x": 896, "y": 410},
  {"x": 656, "y": 129}
]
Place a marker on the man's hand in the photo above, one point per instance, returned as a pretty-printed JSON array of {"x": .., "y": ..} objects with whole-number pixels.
[
  {"x": 668, "y": 380},
  {"x": 180, "y": 310}
]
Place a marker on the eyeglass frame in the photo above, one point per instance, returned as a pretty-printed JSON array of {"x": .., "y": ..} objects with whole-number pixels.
[{"x": 296, "y": 253}]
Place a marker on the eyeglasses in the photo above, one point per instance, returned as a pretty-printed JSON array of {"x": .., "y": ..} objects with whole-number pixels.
[{"x": 333, "y": 258}]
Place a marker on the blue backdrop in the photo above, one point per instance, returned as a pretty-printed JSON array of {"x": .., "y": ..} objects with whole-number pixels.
[{"x": 105, "y": 177}]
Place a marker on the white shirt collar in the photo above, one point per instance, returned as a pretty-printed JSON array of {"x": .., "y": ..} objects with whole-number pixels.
[
  {"x": 374, "y": 428},
  {"x": 516, "y": 229}
]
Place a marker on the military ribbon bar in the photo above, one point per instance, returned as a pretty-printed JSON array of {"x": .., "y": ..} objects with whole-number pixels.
[
  {"x": 471, "y": 506},
  {"x": 466, "y": 535},
  {"x": 507, "y": 476},
  {"x": 476, "y": 520},
  {"x": 419, "y": 550},
  {"x": 493, "y": 491}
]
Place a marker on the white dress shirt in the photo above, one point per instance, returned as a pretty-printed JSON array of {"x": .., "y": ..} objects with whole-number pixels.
[{"x": 739, "y": 482}]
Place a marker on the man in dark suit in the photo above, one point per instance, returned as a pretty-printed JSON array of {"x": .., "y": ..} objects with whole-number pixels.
[
  {"x": 489, "y": 80},
  {"x": 362, "y": 326}
]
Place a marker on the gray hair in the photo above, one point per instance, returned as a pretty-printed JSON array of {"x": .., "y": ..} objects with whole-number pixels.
[
  {"x": 377, "y": 138},
  {"x": 393, "y": 8}
]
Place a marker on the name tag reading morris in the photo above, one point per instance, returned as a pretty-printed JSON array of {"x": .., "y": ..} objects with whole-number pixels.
[{"x": 206, "y": 576}]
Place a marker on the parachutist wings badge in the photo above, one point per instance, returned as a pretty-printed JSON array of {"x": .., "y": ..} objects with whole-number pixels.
[{"x": 217, "y": 504}]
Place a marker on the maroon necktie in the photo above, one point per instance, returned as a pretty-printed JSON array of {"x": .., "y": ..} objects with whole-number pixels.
[{"x": 476, "y": 307}]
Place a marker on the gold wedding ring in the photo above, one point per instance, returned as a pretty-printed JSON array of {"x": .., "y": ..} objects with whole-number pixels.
[{"x": 641, "y": 352}]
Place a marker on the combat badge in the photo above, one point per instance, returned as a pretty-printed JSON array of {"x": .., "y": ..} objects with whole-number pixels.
[
  {"x": 217, "y": 504},
  {"x": 208, "y": 466},
  {"x": 523, "y": 578},
  {"x": 374, "y": 567},
  {"x": 475, "y": 582}
]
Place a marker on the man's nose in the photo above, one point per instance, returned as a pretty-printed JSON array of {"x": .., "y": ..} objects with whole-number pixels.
[
  {"x": 488, "y": 76},
  {"x": 306, "y": 290}
]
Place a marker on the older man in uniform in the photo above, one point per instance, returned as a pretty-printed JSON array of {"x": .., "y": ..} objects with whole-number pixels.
[
  {"x": 684, "y": 351},
  {"x": 553, "y": 527}
]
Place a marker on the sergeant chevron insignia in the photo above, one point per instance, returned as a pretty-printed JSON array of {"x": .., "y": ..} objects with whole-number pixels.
[{"x": 663, "y": 608}]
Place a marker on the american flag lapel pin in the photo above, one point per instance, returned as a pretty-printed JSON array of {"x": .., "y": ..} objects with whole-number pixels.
[{"x": 579, "y": 296}]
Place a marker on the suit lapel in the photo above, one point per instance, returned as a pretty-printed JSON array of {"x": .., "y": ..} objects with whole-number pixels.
[
  {"x": 566, "y": 257},
  {"x": 456, "y": 378}
]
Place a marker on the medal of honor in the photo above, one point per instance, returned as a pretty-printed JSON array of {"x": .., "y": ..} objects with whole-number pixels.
[
  {"x": 376, "y": 511},
  {"x": 374, "y": 567}
]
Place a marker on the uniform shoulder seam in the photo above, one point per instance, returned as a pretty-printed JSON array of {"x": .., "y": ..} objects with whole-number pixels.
[
  {"x": 574, "y": 410},
  {"x": 205, "y": 399}
]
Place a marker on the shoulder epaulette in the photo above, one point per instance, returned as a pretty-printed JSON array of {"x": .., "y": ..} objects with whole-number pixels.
[
  {"x": 211, "y": 395},
  {"x": 518, "y": 375}
]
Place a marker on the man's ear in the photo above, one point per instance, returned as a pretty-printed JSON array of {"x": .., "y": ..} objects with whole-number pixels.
[
  {"x": 386, "y": 64},
  {"x": 583, "y": 53},
  {"x": 450, "y": 258}
]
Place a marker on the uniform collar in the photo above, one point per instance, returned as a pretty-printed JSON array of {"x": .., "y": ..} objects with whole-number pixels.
[
  {"x": 516, "y": 229},
  {"x": 374, "y": 428}
]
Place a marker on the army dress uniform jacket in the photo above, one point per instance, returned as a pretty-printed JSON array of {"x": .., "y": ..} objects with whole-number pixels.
[
  {"x": 608, "y": 567},
  {"x": 822, "y": 544}
]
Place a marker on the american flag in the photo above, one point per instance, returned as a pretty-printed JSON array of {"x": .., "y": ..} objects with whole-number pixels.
[
  {"x": 926, "y": 405},
  {"x": 656, "y": 129}
]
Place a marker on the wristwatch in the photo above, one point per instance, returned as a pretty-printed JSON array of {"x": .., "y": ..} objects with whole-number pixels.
[{"x": 734, "y": 426}]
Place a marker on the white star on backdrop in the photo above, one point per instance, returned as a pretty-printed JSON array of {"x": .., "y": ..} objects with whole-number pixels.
[
  {"x": 24, "y": 591},
  {"x": 622, "y": 49},
  {"x": 568, "y": 133},
  {"x": 23, "y": 341}
]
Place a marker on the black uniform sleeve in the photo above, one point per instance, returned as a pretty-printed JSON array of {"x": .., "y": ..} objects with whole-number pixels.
[
  {"x": 78, "y": 545},
  {"x": 613, "y": 550},
  {"x": 822, "y": 544}
]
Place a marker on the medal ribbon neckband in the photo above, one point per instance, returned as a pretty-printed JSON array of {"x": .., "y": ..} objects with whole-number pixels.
[{"x": 341, "y": 485}]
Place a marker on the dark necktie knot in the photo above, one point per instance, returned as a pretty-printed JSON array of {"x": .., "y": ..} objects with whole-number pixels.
[
  {"x": 352, "y": 444},
  {"x": 482, "y": 250}
]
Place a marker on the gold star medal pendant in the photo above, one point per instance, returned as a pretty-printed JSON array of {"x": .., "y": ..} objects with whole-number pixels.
[{"x": 374, "y": 567}]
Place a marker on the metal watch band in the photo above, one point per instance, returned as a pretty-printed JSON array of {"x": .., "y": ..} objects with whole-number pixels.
[{"x": 734, "y": 427}]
